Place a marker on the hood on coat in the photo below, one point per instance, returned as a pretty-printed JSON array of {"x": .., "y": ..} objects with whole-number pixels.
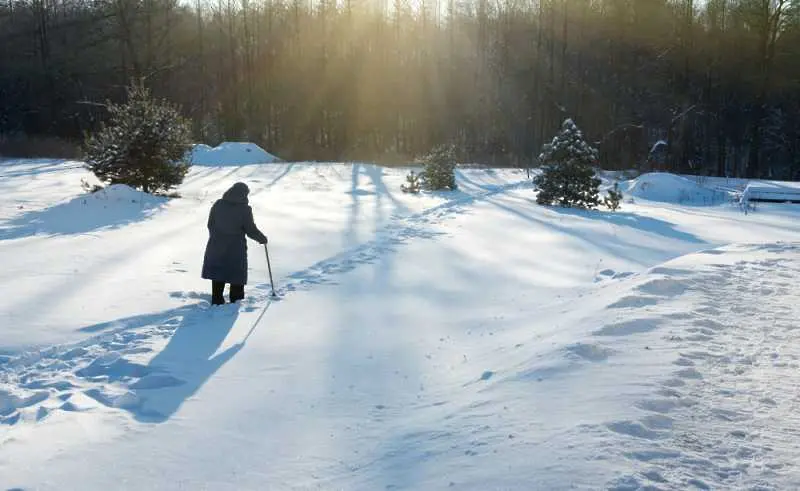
[{"x": 237, "y": 193}]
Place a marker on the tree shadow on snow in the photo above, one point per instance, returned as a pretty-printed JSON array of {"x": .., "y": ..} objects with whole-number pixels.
[
  {"x": 351, "y": 229},
  {"x": 87, "y": 213},
  {"x": 285, "y": 172},
  {"x": 375, "y": 173},
  {"x": 24, "y": 168},
  {"x": 619, "y": 247},
  {"x": 632, "y": 220},
  {"x": 158, "y": 389},
  {"x": 466, "y": 182}
]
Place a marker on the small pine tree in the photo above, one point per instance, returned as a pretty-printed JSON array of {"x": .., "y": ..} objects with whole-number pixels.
[
  {"x": 568, "y": 178},
  {"x": 440, "y": 167},
  {"x": 613, "y": 199},
  {"x": 412, "y": 183},
  {"x": 144, "y": 144}
]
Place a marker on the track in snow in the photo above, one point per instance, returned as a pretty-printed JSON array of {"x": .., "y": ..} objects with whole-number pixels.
[
  {"x": 118, "y": 368},
  {"x": 728, "y": 416},
  {"x": 398, "y": 231}
]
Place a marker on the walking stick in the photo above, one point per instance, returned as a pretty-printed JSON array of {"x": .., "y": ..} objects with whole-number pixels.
[{"x": 269, "y": 267}]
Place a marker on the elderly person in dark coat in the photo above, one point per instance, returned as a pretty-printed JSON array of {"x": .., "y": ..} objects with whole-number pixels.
[{"x": 230, "y": 220}]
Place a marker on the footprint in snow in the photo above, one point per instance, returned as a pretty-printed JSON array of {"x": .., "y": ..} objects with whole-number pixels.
[
  {"x": 660, "y": 406},
  {"x": 190, "y": 295},
  {"x": 633, "y": 301},
  {"x": 636, "y": 429},
  {"x": 708, "y": 310},
  {"x": 604, "y": 275},
  {"x": 728, "y": 415},
  {"x": 671, "y": 271},
  {"x": 589, "y": 351},
  {"x": 627, "y": 328},
  {"x": 709, "y": 324},
  {"x": 60, "y": 386},
  {"x": 10, "y": 402},
  {"x": 713, "y": 252},
  {"x": 157, "y": 381},
  {"x": 658, "y": 422},
  {"x": 690, "y": 373},
  {"x": 664, "y": 287}
]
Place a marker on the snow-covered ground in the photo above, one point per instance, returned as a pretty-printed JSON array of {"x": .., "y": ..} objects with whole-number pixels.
[{"x": 463, "y": 340}]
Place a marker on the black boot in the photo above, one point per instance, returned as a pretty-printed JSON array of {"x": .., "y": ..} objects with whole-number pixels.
[
  {"x": 217, "y": 287},
  {"x": 237, "y": 293}
]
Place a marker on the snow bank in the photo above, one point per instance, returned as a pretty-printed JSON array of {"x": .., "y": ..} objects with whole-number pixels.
[
  {"x": 120, "y": 193},
  {"x": 230, "y": 153},
  {"x": 670, "y": 188}
]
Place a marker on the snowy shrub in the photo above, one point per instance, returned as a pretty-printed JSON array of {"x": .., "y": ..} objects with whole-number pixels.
[
  {"x": 412, "y": 184},
  {"x": 440, "y": 166},
  {"x": 143, "y": 145},
  {"x": 568, "y": 178},
  {"x": 613, "y": 198},
  {"x": 88, "y": 187}
]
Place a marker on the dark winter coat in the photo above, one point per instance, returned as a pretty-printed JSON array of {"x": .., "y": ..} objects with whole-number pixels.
[{"x": 230, "y": 220}]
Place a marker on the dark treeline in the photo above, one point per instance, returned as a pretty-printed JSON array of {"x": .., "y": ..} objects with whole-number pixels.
[{"x": 717, "y": 83}]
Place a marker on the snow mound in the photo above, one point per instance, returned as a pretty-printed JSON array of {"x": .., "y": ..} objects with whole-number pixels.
[
  {"x": 671, "y": 188},
  {"x": 120, "y": 193},
  {"x": 230, "y": 153}
]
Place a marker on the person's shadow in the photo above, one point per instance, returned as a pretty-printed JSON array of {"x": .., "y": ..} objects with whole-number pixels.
[{"x": 178, "y": 371}]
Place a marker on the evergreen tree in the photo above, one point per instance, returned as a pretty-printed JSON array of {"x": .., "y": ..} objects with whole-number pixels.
[
  {"x": 143, "y": 145},
  {"x": 412, "y": 183},
  {"x": 613, "y": 198},
  {"x": 440, "y": 167},
  {"x": 568, "y": 176}
]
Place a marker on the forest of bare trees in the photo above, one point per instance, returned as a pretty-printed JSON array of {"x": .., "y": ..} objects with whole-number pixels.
[{"x": 696, "y": 87}]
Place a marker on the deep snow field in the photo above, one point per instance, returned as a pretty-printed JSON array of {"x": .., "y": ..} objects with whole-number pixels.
[{"x": 457, "y": 340}]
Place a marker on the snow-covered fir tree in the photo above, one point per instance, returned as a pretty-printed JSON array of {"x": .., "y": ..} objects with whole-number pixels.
[
  {"x": 568, "y": 175},
  {"x": 143, "y": 144},
  {"x": 412, "y": 184},
  {"x": 613, "y": 198},
  {"x": 440, "y": 165}
]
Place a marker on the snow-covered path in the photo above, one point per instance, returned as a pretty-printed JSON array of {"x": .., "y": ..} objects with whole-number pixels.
[
  {"x": 468, "y": 340},
  {"x": 726, "y": 415}
]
